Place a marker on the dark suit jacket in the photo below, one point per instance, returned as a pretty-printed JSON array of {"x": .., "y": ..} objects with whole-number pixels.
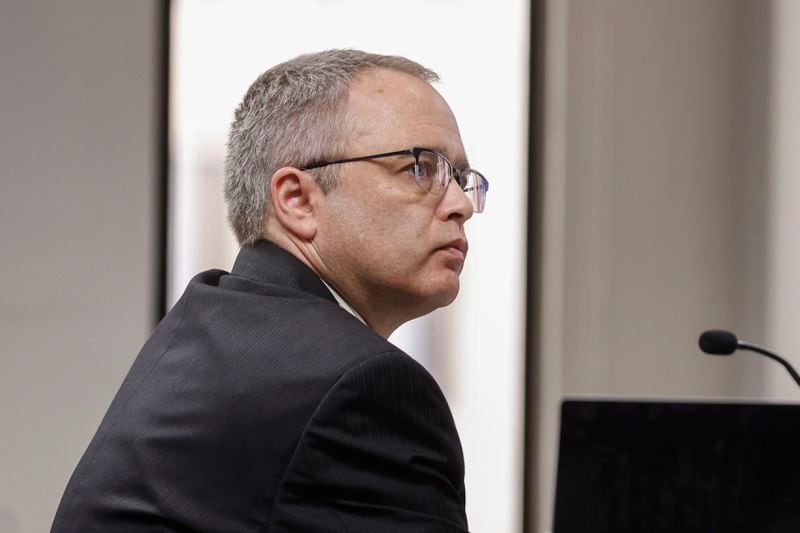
[{"x": 258, "y": 404}]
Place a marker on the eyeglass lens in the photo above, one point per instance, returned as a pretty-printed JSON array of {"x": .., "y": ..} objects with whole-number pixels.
[
  {"x": 434, "y": 174},
  {"x": 474, "y": 186}
]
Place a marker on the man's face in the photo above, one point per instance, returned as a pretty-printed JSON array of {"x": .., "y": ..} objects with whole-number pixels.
[{"x": 379, "y": 233}]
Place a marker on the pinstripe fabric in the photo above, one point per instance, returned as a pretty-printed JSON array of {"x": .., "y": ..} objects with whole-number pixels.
[{"x": 258, "y": 404}]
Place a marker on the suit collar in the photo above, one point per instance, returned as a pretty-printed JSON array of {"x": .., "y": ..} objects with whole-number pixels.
[{"x": 268, "y": 263}]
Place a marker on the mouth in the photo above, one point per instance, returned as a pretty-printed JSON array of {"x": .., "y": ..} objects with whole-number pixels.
[{"x": 456, "y": 248}]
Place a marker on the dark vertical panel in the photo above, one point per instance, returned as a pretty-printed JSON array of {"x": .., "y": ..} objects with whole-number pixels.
[
  {"x": 162, "y": 138},
  {"x": 533, "y": 257}
]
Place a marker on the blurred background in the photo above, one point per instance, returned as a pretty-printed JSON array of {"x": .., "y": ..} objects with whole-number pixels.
[{"x": 644, "y": 159}]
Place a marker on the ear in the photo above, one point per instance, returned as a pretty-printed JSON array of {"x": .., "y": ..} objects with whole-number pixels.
[{"x": 295, "y": 194}]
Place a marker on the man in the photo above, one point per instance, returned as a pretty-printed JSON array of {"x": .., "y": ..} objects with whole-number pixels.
[{"x": 268, "y": 399}]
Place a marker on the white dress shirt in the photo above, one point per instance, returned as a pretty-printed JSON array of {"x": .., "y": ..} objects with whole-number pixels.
[{"x": 344, "y": 305}]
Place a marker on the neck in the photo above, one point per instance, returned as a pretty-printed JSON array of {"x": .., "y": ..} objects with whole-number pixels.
[{"x": 380, "y": 314}]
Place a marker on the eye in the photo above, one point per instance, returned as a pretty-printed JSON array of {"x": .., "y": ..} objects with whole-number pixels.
[
  {"x": 422, "y": 170},
  {"x": 412, "y": 169},
  {"x": 428, "y": 167}
]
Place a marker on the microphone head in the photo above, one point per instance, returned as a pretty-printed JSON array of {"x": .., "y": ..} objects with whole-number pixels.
[{"x": 718, "y": 342}]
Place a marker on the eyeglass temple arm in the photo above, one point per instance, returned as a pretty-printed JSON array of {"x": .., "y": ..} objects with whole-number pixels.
[{"x": 319, "y": 164}]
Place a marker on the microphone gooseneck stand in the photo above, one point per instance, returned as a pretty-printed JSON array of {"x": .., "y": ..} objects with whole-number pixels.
[{"x": 720, "y": 342}]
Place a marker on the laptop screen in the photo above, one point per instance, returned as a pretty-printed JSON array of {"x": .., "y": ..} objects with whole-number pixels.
[{"x": 678, "y": 467}]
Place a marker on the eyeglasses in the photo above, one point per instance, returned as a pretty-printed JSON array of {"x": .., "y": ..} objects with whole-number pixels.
[{"x": 433, "y": 173}]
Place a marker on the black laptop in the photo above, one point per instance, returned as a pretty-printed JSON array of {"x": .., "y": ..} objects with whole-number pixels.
[{"x": 663, "y": 467}]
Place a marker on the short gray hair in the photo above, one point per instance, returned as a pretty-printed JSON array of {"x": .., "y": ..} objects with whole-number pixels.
[{"x": 293, "y": 114}]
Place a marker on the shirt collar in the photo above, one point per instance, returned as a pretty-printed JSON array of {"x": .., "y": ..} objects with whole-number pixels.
[{"x": 343, "y": 304}]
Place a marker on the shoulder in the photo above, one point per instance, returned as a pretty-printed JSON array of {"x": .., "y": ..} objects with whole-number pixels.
[
  {"x": 386, "y": 399},
  {"x": 381, "y": 440},
  {"x": 267, "y": 321},
  {"x": 390, "y": 379}
]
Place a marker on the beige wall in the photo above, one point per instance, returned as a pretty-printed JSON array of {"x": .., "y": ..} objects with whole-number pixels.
[
  {"x": 78, "y": 167},
  {"x": 655, "y": 196}
]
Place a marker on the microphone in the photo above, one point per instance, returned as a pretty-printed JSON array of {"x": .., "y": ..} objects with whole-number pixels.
[{"x": 721, "y": 342}]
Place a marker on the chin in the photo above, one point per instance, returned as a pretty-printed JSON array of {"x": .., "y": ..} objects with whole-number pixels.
[
  {"x": 443, "y": 293},
  {"x": 426, "y": 293}
]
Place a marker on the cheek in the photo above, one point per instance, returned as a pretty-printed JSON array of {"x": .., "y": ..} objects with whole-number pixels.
[
  {"x": 381, "y": 231},
  {"x": 404, "y": 237}
]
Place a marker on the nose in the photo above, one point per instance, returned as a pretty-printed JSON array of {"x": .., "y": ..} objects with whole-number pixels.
[{"x": 455, "y": 204}]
